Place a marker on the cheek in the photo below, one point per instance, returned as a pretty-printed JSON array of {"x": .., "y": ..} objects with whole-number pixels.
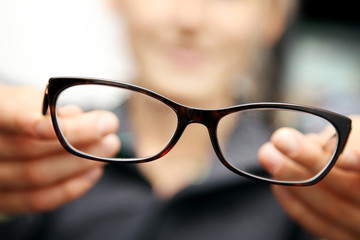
[
  {"x": 238, "y": 43},
  {"x": 240, "y": 28}
]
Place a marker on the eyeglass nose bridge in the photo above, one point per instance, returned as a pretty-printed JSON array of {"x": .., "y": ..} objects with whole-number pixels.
[
  {"x": 209, "y": 119},
  {"x": 202, "y": 116}
]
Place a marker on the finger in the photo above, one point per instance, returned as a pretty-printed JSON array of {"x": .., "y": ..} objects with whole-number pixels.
[
  {"x": 108, "y": 147},
  {"x": 307, "y": 217},
  {"x": 19, "y": 146},
  {"x": 30, "y": 123},
  {"x": 314, "y": 157},
  {"x": 300, "y": 149},
  {"x": 329, "y": 206},
  {"x": 20, "y": 109},
  {"x": 39, "y": 173},
  {"x": 280, "y": 166},
  {"x": 82, "y": 128},
  {"x": 46, "y": 171},
  {"x": 44, "y": 127},
  {"x": 16, "y": 119},
  {"x": 69, "y": 110},
  {"x": 349, "y": 160},
  {"x": 48, "y": 198},
  {"x": 344, "y": 183}
]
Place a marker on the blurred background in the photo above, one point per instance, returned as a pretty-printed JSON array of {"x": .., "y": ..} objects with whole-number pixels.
[
  {"x": 318, "y": 59},
  {"x": 321, "y": 56},
  {"x": 44, "y": 38}
]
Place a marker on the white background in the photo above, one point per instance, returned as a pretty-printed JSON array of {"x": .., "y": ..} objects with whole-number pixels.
[{"x": 40, "y": 39}]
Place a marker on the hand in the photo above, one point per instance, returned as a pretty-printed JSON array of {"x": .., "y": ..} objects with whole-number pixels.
[
  {"x": 331, "y": 208},
  {"x": 36, "y": 173}
]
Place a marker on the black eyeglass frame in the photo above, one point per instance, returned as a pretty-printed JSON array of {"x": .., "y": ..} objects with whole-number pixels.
[{"x": 187, "y": 115}]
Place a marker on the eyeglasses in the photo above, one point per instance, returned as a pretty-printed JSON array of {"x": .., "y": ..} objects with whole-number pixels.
[{"x": 236, "y": 133}]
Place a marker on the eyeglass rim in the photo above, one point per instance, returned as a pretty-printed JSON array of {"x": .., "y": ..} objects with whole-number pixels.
[{"x": 56, "y": 85}]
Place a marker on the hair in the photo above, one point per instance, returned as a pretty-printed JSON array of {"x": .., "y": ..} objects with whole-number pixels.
[{"x": 264, "y": 81}]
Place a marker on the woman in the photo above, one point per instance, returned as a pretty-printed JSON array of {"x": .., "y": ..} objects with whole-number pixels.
[{"x": 190, "y": 51}]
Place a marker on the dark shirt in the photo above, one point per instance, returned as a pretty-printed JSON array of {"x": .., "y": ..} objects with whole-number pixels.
[{"x": 122, "y": 206}]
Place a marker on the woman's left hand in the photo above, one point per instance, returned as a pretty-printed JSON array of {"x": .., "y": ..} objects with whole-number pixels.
[{"x": 331, "y": 208}]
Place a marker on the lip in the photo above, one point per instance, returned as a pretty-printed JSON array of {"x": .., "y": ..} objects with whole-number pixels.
[{"x": 186, "y": 58}]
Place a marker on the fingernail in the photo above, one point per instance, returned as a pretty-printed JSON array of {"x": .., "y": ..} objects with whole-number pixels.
[
  {"x": 107, "y": 123},
  {"x": 274, "y": 159},
  {"x": 111, "y": 145},
  {"x": 287, "y": 143}
]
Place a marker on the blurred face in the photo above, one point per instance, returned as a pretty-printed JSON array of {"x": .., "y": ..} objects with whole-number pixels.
[{"x": 190, "y": 50}]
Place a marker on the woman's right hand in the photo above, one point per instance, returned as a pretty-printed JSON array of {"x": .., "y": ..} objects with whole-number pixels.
[{"x": 36, "y": 173}]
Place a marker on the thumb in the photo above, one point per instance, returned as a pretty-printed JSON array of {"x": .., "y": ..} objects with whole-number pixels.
[
  {"x": 20, "y": 110},
  {"x": 349, "y": 160}
]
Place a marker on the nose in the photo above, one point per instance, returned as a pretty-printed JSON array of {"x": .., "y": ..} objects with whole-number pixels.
[{"x": 189, "y": 14}]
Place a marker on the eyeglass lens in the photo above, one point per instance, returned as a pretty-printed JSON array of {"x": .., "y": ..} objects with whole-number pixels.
[{"x": 254, "y": 128}]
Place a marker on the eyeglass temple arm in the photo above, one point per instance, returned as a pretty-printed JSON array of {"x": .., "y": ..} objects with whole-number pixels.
[{"x": 45, "y": 105}]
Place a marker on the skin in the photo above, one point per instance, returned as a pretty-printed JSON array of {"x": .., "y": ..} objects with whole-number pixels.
[{"x": 189, "y": 51}]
